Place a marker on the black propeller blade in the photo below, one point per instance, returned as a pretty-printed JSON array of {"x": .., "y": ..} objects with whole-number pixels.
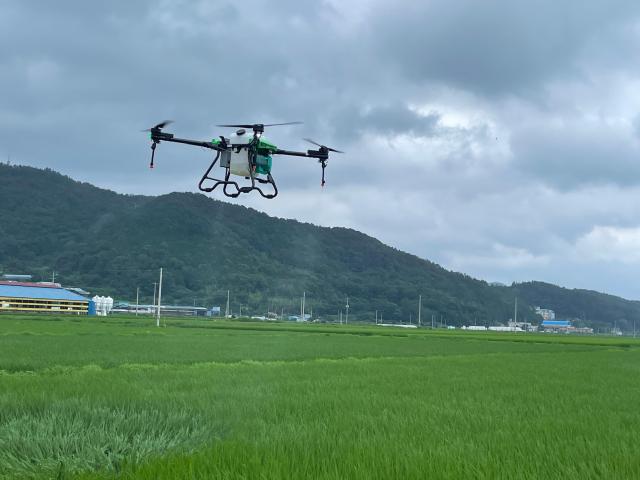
[
  {"x": 159, "y": 126},
  {"x": 258, "y": 125},
  {"x": 322, "y": 146}
]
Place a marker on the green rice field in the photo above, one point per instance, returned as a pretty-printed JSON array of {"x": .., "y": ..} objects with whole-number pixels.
[{"x": 204, "y": 399}]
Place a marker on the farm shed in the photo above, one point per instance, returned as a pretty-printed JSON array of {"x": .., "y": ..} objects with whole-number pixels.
[{"x": 40, "y": 297}]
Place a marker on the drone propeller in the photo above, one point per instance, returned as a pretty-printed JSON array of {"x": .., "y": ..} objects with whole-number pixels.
[
  {"x": 156, "y": 134},
  {"x": 324, "y": 155},
  {"x": 159, "y": 126},
  {"x": 329, "y": 149},
  {"x": 255, "y": 126}
]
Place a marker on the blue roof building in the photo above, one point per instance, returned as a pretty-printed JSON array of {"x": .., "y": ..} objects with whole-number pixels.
[
  {"x": 557, "y": 326},
  {"x": 40, "y": 297},
  {"x": 49, "y": 293},
  {"x": 556, "y": 323}
]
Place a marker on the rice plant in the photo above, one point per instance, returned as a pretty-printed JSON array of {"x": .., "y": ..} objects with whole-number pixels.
[{"x": 123, "y": 400}]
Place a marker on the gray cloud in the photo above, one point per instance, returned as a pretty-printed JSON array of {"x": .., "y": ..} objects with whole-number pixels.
[
  {"x": 575, "y": 155},
  {"x": 495, "y": 47},
  {"x": 385, "y": 119},
  {"x": 494, "y": 137}
]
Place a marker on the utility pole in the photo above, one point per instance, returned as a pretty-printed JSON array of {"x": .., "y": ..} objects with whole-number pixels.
[
  {"x": 432, "y": 321},
  {"x": 159, "y": 299},
  {"x": 346, "y": 321},
  {"x": 304, "y": 297},
  {"x": 53, "y": 277},
  {"x": 137, "y": 297},
  {"x": 376, "y": 317},
  {"x": 154, "y": 292},
  {"x": 419, "y": 310},
  {"x": 515, "y": 312},
  {"x": 240, "y": 309},
  {"x": 226, "y": 312}
]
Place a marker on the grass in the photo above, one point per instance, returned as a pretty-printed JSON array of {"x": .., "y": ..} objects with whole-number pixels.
[{"x": 118, "y": 398}]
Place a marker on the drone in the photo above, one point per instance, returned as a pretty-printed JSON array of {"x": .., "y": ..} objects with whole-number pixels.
[{"x": 241, "y": 154}]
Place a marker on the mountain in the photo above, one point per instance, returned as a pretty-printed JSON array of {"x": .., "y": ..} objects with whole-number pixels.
[{"x": 110, "y": 244}]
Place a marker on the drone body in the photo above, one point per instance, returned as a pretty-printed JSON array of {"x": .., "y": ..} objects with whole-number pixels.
[
  {"x": 238, "y": 157},
  {"x": 241, "y": 155}
]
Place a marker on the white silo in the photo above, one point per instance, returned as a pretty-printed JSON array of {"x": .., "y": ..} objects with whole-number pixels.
[{"x": 102, "y": 306}]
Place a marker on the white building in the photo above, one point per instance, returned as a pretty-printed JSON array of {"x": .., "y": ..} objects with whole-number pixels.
[
  {"x": 546, "y": 313},
  {"x": 506, "y": 329},
  {"x": 526, "y": 326}
]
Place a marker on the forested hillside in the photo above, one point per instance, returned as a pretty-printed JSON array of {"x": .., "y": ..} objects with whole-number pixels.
[
  {"x": 109, "y": 243},
  {"x": 584, "y": 307}
]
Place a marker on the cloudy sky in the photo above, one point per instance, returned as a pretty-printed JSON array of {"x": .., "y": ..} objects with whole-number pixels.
[{"x": 500, "y": 138}]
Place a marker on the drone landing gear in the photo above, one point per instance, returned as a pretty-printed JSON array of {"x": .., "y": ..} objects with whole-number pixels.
[
  {"x": 237, "y": 189},
  {"x": 324, "y": 165},
  {"x": 269, "y": 180}
]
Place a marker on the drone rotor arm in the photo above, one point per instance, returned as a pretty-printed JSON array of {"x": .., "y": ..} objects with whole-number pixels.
[
  {"x": 157, "y": 136},
  {"x": 195, "y": 143},
  {"x": 322, "y": 155}
]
